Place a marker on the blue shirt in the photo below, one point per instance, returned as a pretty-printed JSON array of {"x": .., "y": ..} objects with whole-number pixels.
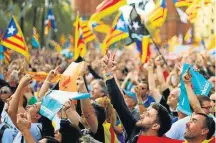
[{"x": 148, "y": 101}]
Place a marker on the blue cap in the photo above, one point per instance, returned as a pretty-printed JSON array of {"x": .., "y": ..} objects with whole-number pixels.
[{"x": 131, "y": 94}]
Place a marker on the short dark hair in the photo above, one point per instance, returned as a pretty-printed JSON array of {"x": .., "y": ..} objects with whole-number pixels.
[
  {"x": 209, "y": 123},
  {"x": 164, "y": 118},
  {"x": 203, "y": 98}
]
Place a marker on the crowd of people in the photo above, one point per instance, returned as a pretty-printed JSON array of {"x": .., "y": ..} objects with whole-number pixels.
[{"x": 130, "y": 102}]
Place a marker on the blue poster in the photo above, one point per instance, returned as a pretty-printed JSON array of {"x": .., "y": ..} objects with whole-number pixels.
[
  {"x": 200, "y": 86},
  {"x": 54, "y": 100}
]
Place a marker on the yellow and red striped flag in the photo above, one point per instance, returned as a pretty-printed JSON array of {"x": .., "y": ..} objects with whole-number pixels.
[
  {"x": 14, "y": 39},
  {"x": 106, "y": 8},
  {"x": 158, "y": 16},
  {"x": 86, "y": 31},
  {"x": 80, "y": 45}
]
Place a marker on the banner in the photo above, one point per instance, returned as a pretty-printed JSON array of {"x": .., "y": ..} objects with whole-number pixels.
[
  {"x": 200, "y": 86},
  {"x": 68, "y": 81},
  {"x": 54, "y": 100},
  {"x": 41, "y": 76}
]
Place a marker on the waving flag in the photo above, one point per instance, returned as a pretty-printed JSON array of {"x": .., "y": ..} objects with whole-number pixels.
[
  {"x": 80, "y": 45},
  {"x": 188, "y": 36},
  {"x": 5, "y": 55},
  {"x": 86, "y": 31},
  {"x": 106, "y": 8},
  {"x": 14, "y": 39},
  {"x": 50, "y": 21},
  {"x": 144, "y": 49},
  {"x": 35, "y": 39},
  {"x": 139, "y": 34},
  {"x": 158, "y": 16},
  {"x": 136, "y": 28},
  {"x": 99, "y": 26},
  {"x": 56, "y": 46},
  {"x": 186, "y": 3},
  {"x": 118, "y": 32}
]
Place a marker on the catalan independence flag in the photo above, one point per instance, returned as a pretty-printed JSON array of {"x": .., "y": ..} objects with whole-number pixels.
[
  {"x": 106, "y": 8},
  {"x": 99, "y": 26},
  {"x": 86, "y": 31},
  {"x": 50, "y": 21},
  {"x": 14, "y": 39},
  {"x": 35, "y": 38},
  {"x": 158, "y": 16},
  {"x": 193, "y": 9},
  {"x": 5, "y": 55},
  {"x": 80, "y": 45},
  {"x": 118, "y": 31},
  {"x": 143, "y": 48}
]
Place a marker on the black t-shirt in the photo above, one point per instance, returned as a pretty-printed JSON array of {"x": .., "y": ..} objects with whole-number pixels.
[{"x": 101, "y": 116}]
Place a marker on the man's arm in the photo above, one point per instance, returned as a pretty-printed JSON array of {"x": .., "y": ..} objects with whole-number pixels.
[
  {"x": 191, "y": 95},
  {"x": 13, "y": 108},
  {"x": 24, "y": 125},
  {"x": 86, "y": 107},
  {"x": 151, "y": 82},
  {"x": 115, "y": 94},
  {"x": 46, "y": 85},
  {"x": 71, "y": 113}
]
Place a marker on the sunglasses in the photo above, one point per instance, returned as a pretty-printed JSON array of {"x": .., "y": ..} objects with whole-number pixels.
[{"x": 3, "y": 92}]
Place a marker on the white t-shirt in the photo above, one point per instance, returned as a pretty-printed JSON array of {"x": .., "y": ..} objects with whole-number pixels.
[
  {"x": 35, "y": 130},
  {"x": 178, "y": 128},
  {"x": 6, "y": 119}
]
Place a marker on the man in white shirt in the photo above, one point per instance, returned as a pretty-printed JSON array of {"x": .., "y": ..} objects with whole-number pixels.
[{"x": 31, "y": 112}]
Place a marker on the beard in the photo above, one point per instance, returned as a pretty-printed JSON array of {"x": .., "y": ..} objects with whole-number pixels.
[{"x": 143, "y": 126}]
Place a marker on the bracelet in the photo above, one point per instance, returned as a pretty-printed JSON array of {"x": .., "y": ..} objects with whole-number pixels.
[{"x": 108, "y": 74}]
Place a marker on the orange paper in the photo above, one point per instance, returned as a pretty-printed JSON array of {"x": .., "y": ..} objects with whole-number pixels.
[{"x": 70, "y": 75}]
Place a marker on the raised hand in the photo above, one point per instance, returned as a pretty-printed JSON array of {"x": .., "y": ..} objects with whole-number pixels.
[
  {"x": 25, "y": 80},
  {"x": 109, "y": 63},
  {"x": 81, "y": 84},
  {"x": 138, "y": 91},
  {"x": 23, "y": 123},
  {"x": 187, "y": 76},
  {"x": 52, "y": 74}
]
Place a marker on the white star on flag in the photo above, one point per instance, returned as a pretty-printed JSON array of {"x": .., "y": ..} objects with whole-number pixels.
[
  {"x": 11, "y": 30},
  {"x": 135, "y": 25},
  {"x": 120, "y": 24}
]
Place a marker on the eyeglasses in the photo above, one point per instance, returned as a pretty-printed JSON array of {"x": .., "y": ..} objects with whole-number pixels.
[
  {"x": 213, "y": 101},
  {"x": 3, "y": 92},
  {"x": 207, "y": 108}
]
